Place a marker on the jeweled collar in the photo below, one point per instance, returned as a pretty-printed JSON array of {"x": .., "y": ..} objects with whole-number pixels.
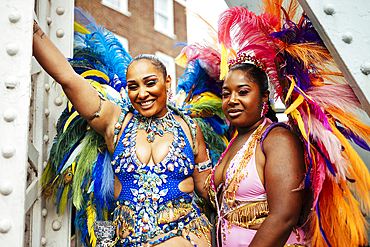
[{"x": 157, "y": 126}]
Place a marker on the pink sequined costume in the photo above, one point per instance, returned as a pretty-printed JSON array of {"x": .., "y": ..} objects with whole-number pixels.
[{"x": 250, "y": 190}]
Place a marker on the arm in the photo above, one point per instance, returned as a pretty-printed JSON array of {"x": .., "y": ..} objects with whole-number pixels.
[
  {"x": 78, "y": 90},
  {"x": 200, "y": 155},
  {"x": 283, "y": 172}
]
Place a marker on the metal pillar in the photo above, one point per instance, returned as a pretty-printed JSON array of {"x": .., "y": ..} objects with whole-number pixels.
[
  {"x": 56, "y": 19},
  {"x": 15, "y": 66},
  {"x": 30, "y": 105},
  {"x": 344, "y": 28}
]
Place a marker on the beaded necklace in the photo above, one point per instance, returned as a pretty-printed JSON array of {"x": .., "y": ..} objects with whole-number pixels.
[{"x": 158, "y": 126}]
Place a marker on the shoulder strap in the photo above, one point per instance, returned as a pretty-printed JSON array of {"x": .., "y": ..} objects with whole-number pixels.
[
  {"x": 118, "y": 126},
  {"x": 268, "y": 129},
  {"x": 188, "y": 121}
]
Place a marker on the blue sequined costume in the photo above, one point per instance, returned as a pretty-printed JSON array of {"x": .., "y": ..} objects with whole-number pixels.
[{"x": 149, "y": 192}]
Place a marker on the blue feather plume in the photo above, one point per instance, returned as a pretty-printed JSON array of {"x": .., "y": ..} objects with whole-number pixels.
[
  {"x": 102, "y": 43},
  {"x": 103, "y": 178}
]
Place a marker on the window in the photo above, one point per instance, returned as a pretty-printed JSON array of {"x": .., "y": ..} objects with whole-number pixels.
[
  {"x": 163, "y": 17},
  {"x": 123, "y": 41},
  {"x": 169, "y": 62},
  {"x": 119, "y": 5}
]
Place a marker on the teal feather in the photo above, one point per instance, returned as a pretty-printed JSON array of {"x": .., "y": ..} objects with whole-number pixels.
[
  {"x": 211, "y": 105},
  {"x": 213, "y": 140},
  {"x": 65, "y": 141}
]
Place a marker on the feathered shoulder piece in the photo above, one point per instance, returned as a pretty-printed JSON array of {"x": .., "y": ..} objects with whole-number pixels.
[
  {"x": 79, "y": 165},
  {"x": 325, "y": 112}
]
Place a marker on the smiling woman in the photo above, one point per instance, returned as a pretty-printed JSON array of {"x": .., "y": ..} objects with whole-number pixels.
[
  {"x": 147, "y": 83},
  {"x": 248, "y": 176},
  {"x": 165, "y": 174},
  {"x": 154, "y": 151}
]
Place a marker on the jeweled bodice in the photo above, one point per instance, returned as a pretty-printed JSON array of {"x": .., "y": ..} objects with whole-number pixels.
[{"x": 150, "y": 189}]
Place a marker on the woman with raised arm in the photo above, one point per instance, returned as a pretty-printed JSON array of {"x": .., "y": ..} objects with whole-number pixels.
[{"x": 156, "y": 152}]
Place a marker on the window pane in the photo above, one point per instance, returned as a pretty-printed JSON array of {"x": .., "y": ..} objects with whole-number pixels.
[
  {"x": 162, "y": 5},
  {"x": 161, "y": 21}
]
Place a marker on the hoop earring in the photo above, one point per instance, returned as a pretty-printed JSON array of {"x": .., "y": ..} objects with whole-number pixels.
[{"x": 265, "y": 108}]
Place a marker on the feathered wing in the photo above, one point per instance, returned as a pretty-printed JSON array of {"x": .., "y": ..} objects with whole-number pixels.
[
  {"x": 336, "y": 174},
  {"x": 79, "y": 165},
  {"x": 322, "y": 109}
]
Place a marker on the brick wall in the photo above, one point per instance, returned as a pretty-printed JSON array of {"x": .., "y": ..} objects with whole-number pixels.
[{"x": 138, "y": 29}]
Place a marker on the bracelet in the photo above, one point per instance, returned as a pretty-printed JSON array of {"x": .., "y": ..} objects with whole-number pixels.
[
  {"x": 97, "y": 114},
  {"x": 205, "y": 165}
]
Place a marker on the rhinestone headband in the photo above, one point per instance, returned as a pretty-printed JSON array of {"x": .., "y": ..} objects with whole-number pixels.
[{"x": 244, "y": 58}]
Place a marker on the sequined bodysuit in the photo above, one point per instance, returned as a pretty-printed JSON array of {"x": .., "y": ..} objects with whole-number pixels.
[
  {"x": 149, "y": 192},
  {"x": 250, "y": 204}
]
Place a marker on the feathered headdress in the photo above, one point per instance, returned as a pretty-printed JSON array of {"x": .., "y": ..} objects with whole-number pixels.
[{"x": 321, "y": 107}]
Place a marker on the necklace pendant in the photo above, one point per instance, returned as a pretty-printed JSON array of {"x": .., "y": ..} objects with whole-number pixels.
[
  {"x": 151, "y": 137},
  {"x": 157, "y": 126}
]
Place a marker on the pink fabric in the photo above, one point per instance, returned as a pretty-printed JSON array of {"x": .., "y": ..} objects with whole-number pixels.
[{"x": 250, "y": 189}]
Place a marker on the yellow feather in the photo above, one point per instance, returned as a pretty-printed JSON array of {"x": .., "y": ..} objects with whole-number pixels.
[
  {"x": 223, "y": 64},
  {"x": 97, "y": 86},
  {"x": 295, "y": 104},
  {"x": 297, "y": 116},
  {"x": 73, "y": 116},
  {"x": 105, "y": 214},
  {"x": 225, "y": 140},
  {"x": 291, "y": 88},
  {"x": 63, "y": 199},
  {"x": 205, "y": 97},
  {"x": 91, "y": 217},
  {"x": 73, "y": 167},
  {"x": 181, "y": 60},
  {"x": 96, "y": 73},
  {"x": 70, "y": 106},
  {"x": 80, "y": 29},
  {"x": 309, "y": 118}
]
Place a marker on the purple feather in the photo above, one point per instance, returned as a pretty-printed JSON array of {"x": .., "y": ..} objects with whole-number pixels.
[
  {"x": 320, "y": 115},
  {"x": 301, "y": 33},
  {"x": 354, "y": 137}
]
